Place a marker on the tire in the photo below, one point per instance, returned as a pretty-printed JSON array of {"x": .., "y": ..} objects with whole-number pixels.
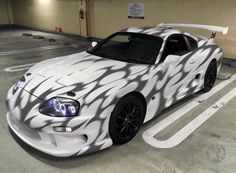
[
  {"x": 126, "y": 120},
  {"x": 210, "y": 77}
]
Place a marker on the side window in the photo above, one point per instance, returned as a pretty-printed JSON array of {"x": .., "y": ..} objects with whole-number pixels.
[
  {"x": 175, "y": 45},
  {"x": 192, "y": 43}
]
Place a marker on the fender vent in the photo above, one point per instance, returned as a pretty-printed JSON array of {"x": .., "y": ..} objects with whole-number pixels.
[
  {"x": 71, "y": 94},
  {"x": 197, "y": 76}
]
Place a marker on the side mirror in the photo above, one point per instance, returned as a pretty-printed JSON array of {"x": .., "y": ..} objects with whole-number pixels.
[
  {"x": 94, "y": 43},
  {"x": 172, "y": 59}
]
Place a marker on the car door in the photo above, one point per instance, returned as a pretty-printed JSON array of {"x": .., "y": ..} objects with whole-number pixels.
[
  {"x": 181, "y": 72},
  {"x": 191, "y": 65}
]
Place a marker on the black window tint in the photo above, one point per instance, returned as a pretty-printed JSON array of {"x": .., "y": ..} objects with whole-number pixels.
[
  {"x": 192, "y": 43},
  {"x": 130, "y": 47},
  {"x": 175, "y": 45}
]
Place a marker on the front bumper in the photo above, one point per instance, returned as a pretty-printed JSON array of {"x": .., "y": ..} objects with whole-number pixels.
[
  {"x": 60, "y": 145},
  {"x": 36, "y": 129}
]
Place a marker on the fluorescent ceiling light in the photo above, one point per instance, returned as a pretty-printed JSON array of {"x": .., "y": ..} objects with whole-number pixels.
[{"x": 44, "y": 2}]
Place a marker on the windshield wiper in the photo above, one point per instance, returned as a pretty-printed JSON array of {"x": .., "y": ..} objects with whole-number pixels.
[
  {"x": 136, "y": 61},
  {"x": 99, "y": 54}
]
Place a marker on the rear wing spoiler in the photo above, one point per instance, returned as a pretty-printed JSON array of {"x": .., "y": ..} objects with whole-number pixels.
[{"x": 213, "y": 29}]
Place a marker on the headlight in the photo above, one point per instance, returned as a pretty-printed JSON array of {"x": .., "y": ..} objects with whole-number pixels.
[{"x": 60, "y": 107}]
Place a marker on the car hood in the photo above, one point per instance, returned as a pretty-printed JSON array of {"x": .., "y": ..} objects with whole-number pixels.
[{"x": 57, "y": 76}]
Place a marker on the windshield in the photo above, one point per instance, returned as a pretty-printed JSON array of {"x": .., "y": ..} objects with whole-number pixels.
[{"x": 129, "y": 47}]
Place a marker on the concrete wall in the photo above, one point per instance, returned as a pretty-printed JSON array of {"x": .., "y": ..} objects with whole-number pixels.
[
  {"x": 107, "y": 16},
  {"x": 47, "y": 14},
  {"x": 4, "y": 19}
]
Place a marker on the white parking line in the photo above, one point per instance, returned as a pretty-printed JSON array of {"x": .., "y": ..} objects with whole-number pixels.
[
  {"x": 181, "y": 135},
  {"x": 37, "y": 49},
  {"x": 19, "y": 68}
]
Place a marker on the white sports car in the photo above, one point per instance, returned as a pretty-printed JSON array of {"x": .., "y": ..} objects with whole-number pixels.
[{"x": 88, "y": 101}]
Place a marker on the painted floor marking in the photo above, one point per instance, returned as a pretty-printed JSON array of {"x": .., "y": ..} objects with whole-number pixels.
[
  {"x": 181, "y": 135},
  {"x": 37, "y": 49},
  {"x": 19, "y": 68}
]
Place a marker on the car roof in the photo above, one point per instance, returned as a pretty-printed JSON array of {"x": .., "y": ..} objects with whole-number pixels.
[{"x": 159, "y": 32}]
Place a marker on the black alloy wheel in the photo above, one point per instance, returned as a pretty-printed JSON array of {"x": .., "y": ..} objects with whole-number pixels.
[
  {"x": 126, "y": 120},
  {"x": 210, "y": 77}
]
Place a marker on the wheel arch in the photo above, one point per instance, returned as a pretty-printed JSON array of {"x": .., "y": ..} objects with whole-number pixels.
[
  {"x": 207, "y": 87},
  {"x": 140, "y": 96},
  {"x": 215, "y": 60}
]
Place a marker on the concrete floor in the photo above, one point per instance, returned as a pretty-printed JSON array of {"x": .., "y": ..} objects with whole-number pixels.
[{"x": 197, "y": 154}]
